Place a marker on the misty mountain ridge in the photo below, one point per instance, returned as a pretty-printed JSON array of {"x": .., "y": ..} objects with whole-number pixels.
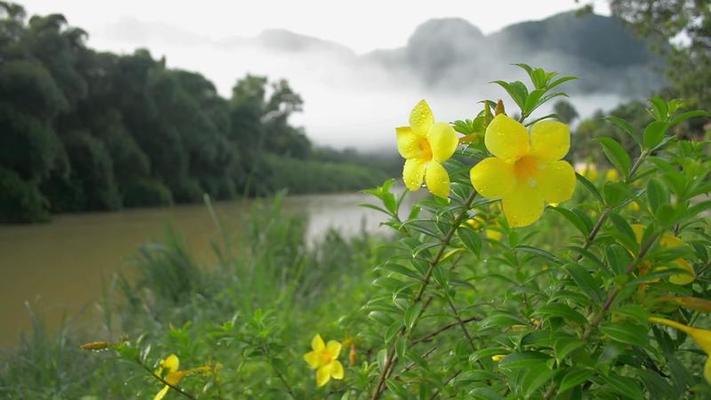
[
  {"x": 450, "y": 53},
  {"x": 354, "y": 99}
]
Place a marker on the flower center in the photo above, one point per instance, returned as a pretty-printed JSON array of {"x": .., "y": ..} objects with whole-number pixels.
[
  {"x": 525, "y": 169},
  {"x": 326, "y": 357},
  {"x": 425, "y": 149}
]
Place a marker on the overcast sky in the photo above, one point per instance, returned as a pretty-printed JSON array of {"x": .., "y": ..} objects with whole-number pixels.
[
  {"x": 361, "y": 25},
  {"x": 343, "y": 107}
]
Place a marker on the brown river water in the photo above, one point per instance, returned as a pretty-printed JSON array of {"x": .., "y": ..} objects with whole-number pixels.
[{"x": 58, "y": 268}]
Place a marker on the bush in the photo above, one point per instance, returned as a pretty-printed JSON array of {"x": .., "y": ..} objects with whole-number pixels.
[
  {"x": 20, "y": 201},
  {"x": 146, "y": 193}
]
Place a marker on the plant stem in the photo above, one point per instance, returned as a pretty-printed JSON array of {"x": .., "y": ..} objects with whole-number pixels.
[
  {"x": 445, "y": 328},
  {"x": 163, "y": 381},
  {"x": 390, "y": 358},
  {"x": 597, "y": 317}
]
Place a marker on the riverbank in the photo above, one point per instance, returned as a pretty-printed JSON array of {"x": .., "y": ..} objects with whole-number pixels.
[{"x": 62, "y": 267}]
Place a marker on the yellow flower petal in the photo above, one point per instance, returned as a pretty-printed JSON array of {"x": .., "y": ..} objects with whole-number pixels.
[
  {"x": 612, "y": 175},
  {"x": 323, "y": 374},
  {"x": 162, "y": 393},
  {"x": 493, "y": 177},
  {"x": 317, "y": 343},
  {"x": 506, "y": 138},
  {"x": 334, "y": 348},
  {"x": 313, "y": 359},
  {"x": 443, "y": 141},
  {"x": 408, "y": 143},
  {"x": 413, "y": 173},
  {"x": 702, "y": 337},
  {"x": 550, "y": 140},
  {"x": 437, "y": 179},
  {"x": 523, "y": 206},
  {"x": 557, "y": 181},
  {"x": 175, "y": 377},
  {"x": 171, "y": 363},
  {"x": 336, "y": 370},
  {"x": 493, "y": 235},
  {"x": 421, "y": 118},
  {"x": 683, "y": 278}
]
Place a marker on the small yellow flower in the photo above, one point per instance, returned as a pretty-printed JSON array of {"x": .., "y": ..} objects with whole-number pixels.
[
  {"x": 670, "y": 241},
  {"x": 702, "y": 338},
  {"x": 169, "y": 371},
  {"x": 587, "y": 170},
  {"x": 633, "y": 206},
  {"x": 526, "y": 171},
  {"x": 324, "y": 359},
  {"x": 492, "y": 234},
  {"x": 612, "y": 175},
  {"x": 425, "y": 145},
  {"x": 498, "y": 357}
]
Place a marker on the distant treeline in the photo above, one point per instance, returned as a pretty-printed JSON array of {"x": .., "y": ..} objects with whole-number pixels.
[{"x": 87, "y": 130}]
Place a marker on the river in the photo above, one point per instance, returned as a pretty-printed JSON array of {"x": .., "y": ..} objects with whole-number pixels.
[{"x": 58, "y": 268}]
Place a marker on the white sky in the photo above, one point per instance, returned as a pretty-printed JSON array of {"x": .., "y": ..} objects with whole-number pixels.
[
  {"x": 361, "y": 25},
  {"x": 343, "y": 107}
]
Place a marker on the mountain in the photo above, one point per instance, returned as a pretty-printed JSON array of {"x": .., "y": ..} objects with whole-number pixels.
[{"x": 448, "y": 53}]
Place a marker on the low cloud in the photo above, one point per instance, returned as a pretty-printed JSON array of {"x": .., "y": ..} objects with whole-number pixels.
[{"x": 356, "y": 100}]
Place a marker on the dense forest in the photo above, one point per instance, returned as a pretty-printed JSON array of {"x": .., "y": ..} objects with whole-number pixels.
[{"x": 87, "y": 130}]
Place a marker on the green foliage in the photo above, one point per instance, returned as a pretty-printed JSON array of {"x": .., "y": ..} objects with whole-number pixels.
[
  {"x": 20, "y": 201},
  {"x": 100, "y": 131}
]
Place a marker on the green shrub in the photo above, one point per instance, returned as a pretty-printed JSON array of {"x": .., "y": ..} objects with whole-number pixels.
[{"x": 20, "y": 201}]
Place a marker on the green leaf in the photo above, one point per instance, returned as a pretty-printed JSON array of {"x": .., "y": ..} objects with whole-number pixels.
[
  {"x": 615, "y": 193},
  {"x": 585, "y": 281},
  {"x": 625, "y": 386},
  {"x": 539, "y": 252},
  {"x": 589, "y": 186},
  {"x": 470, "y": 240},
  {"x": 412, "y": 314},
  {"x": 625, "y": 127},
  {"x": 656, "y": 194},
  {"x": 574, "y": 377},
  {"x": 654, "y": 133},
  {"x": 616, "y": 154},
  {"x": 525, "y": 359},
  {"x": 573, "y": 219},
  {"x": 560, "y": 310},
  {"x": 689, "y": 114},
  {"x": 626, "y": 332},
  {"x": 660, "y": 108},
  {"x": 535, "y": 378},
  {"x": 566, "y": 345},
  {"x": 628, "y": 237},
  {"x": 517, "y": 90}
]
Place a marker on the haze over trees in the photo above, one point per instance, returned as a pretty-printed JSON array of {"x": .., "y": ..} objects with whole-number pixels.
[{"x": 87, "y": 130}]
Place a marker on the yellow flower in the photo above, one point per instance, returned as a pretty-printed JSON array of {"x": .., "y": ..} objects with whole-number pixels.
[
  {"x": 170, "y": 366},
  {"x": 526, "y": 171},
  {"x": 498, "y": 357},
  {"x": 702, "y": 338},
  {"x": 324, "y": 359},
  {"x": 670, "y": 241},
  {"x": 424, "y": 145},
  {"x": 633, "y": 206},
  {"x": 477, "y": 222},
  {"x": 169, "y": 371},
  {"x": 612, "y": 175}
]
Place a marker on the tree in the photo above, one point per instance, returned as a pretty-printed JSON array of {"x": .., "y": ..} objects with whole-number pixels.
[
  {"x": 566, "y": 112},
  {"x": 683, "y": 32}
]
